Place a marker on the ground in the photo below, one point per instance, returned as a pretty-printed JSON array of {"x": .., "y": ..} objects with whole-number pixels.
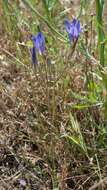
[{"x": 53, "y": 128}]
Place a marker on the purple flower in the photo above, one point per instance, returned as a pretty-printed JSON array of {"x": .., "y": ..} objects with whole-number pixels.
[
  {"x": 73, "y": 29},
  {"x": 22, "y": 182},
  {"x": 33, "y": 55},
  {"x": 38, "y": 46}
]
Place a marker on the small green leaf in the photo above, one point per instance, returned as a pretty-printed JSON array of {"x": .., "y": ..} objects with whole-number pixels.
[{"x": 29, "y": 44}]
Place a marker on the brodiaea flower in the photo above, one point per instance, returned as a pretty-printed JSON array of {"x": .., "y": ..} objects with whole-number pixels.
[
  {"x": 33, "y": 55},
  {"x": 73, "y": 29},
  {"x": 38, "y": 46}
]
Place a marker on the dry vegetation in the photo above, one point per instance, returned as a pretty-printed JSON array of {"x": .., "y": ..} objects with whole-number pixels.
[{"x": 53, "y": 129}]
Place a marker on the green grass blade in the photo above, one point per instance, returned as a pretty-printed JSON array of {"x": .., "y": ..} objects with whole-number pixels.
[
  {"x": 99, "y": 13},
  {"x": 28, "y": 4}
]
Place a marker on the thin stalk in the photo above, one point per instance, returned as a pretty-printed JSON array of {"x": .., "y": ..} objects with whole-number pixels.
[
  {"x": 46, "y": 82},
  {"x": 99, "y": 171},
  {"x": 46, "y": 10},
  {"x": 99, "y": 14},
  {"x": 28, "y": 4}
]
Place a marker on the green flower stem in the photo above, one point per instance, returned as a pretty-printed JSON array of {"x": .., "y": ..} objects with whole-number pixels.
[
  {"x": 99, "y": 13},
  {"x": 28, "y": 4}
]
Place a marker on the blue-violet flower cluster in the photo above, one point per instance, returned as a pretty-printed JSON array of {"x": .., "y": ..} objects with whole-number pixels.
[
  {"x": 38, "y": 46},
  {"x": 73, "y": 29}
]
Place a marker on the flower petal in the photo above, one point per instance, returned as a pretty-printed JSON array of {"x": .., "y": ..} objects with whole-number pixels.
[
  {"x": 73, "y": 23},
  {"x": 39, "y": 42},
  {"x": 33, "y": 55},
  {"x": 70, "y": 37},
  {"x": 78, "y": 26},
  {"x": 67, "y": 26},
  {"x": 75, "y": 34}
]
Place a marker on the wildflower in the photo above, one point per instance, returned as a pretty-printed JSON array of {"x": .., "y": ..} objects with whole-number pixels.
[
  {"x": 73, "y": 29},
  {"x": 22, "y": 182},
  {"x": 38, "y": 46},
  {"x": 33, "y": 55}
]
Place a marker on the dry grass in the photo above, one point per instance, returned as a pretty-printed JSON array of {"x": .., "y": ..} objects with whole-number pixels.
[{"x": 52, "y": 127}]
